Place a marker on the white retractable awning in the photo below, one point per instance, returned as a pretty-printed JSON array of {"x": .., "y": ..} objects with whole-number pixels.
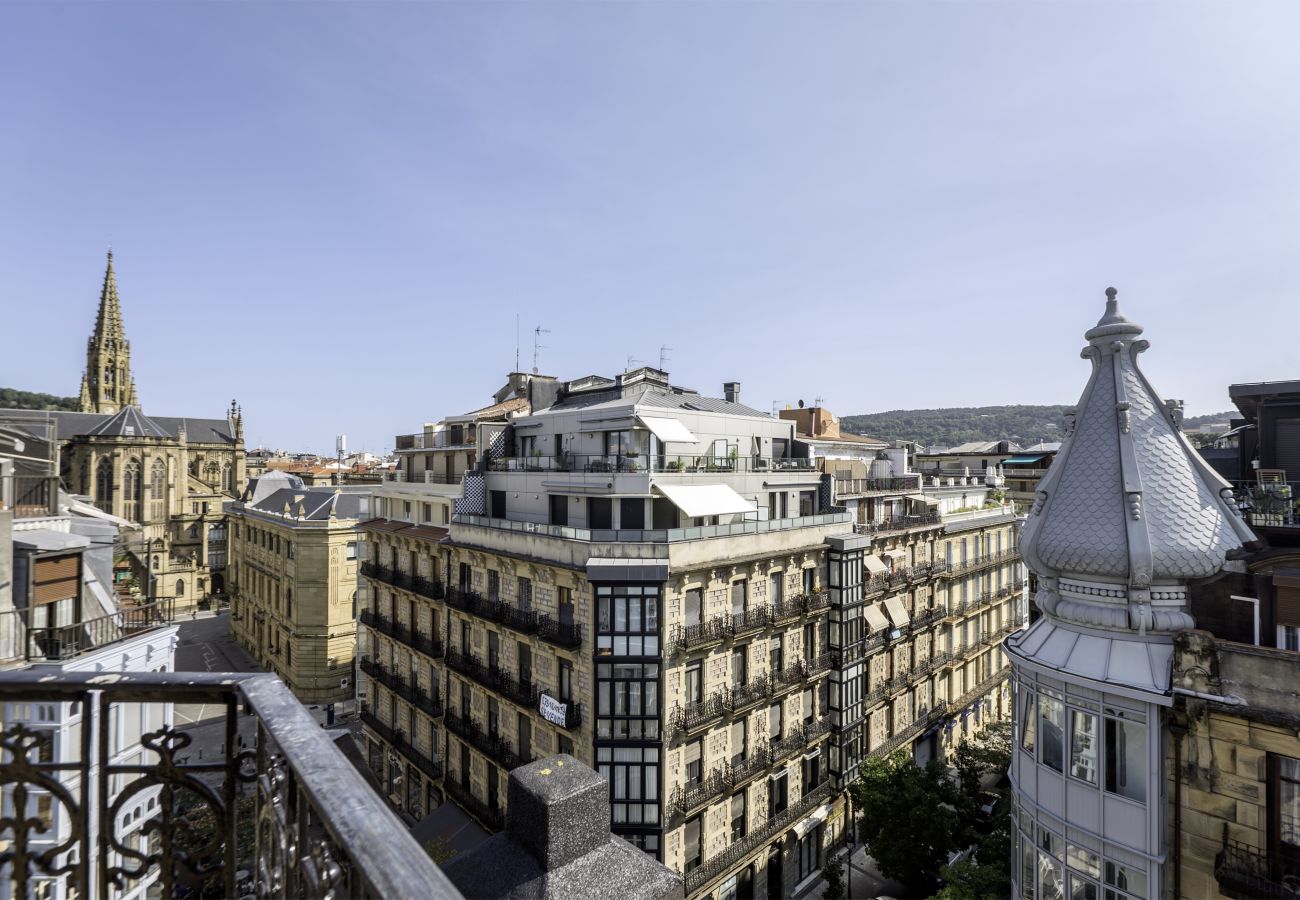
[
  {"x": 923, "y": 498},
  {"x": 874, "y": 565},
  {"x": 896, "y": 554},
  {"x": 897, "y": 614},
  {"x": 697, "y": 500},
  {"x": 876, "y": 620},
  {"x": 813, "y": 821},
  {"x": 668, "y": 430}
]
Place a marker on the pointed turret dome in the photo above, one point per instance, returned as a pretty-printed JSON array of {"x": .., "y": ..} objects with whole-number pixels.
[{"x": 1128, "y": 512}]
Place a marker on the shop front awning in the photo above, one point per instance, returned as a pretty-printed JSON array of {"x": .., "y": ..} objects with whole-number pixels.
[
  {"x": 668, "y": 430},
  {"x": 874, "y": 565},
  {"x": 696, "y": 500},
  {"x": 876, "y": 620},
  {"x": 897, "y": 613},
  {"x": 1023, "y": 460}
]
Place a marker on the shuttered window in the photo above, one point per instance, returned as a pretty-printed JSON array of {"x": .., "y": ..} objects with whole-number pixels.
[{"x": 56, "y": 578}]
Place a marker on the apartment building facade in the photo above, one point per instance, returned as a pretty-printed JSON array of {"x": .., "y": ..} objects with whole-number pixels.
[
  {"x": 293, "y": 563},
  {"x": 657, "y": 583}
]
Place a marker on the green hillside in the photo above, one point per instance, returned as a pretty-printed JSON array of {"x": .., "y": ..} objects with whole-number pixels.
[
  {"x": 11, "y": 398},
  {"x": 1025, "y": 425}
]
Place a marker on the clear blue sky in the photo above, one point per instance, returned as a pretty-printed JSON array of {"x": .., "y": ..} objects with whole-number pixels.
[{"x": 334, "y": 212}]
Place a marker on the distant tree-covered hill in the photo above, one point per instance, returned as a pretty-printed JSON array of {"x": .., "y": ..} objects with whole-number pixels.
[
  {"x": 11, "y": 398},
  {"x": 1025, "y": 425}
]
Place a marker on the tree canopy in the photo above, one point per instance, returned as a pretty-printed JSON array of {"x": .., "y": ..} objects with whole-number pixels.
[{"x": 12, "y": 398}]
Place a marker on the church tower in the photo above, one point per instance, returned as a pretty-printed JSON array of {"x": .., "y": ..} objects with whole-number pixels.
[{"x": 107, "y": 385}]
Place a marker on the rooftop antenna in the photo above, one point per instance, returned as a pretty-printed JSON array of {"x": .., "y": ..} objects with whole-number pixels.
[
  {"x": 663, "y": 357},
  {"x": 630, "y": 360},
  {"x": 776, "y": 409},
  {"x": 817, "y": 401},
  {"x": 516, "y": 342},
  {"x": 537, "y": 345}
]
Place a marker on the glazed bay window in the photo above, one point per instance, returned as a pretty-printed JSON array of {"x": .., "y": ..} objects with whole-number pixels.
[
  {"x": 633, "y": 775},
  {"x": 1083, "y": 746},
  {"x": 627, "y": 697},
  {"x": 627, "y": 618},
  {"x": 1126, "y": 756},
  {"x": 1051, "y": 712},
  {"x": 1124, "y": 882}
]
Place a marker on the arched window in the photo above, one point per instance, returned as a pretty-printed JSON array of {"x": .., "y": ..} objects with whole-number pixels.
[
  {"x": 228, "y": 478},
  {"x": 212, "y": 473},
  {"x": 132, "y": 490},
  {"x": 104, "y": 485},
  {"x": 158, "y": 491},
  {"x": 180, "y": 587}
]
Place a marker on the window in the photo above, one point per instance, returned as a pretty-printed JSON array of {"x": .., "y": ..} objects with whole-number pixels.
[
  {"x": 351, "y": 550},
  {"x": 694, "y": 607},
  {"x": 1285, "y": 773},
  {"x": 739, "y": 741},
  {"x": 809, "y": 706},
  {"x": 807, "y": 503},
  {"x": 1052, "y": 714},
  {"x": 1133, "y": 882},
  {"x": 694, "y": 761},
  {"x": 559, "y": 509},
  {"x": 691, "y": 844},
  {"x": 739, "y": 666},
  {"x": 1027, "y": 719},
  {"x": 565, "y": 603},
  {"x": 776, "y": 588},
  {"x": 494, "y": 584},
  {"x": 288, "y": 548},
  {"x": 600, "y": 513},
  {"x": 738, "y": 824},
  {"x": 1083, "y": 746},
  {"x": 776, "y": 655},
  {"x": 426, "y": 512},
  {"x": 288, "y": 602},
  {"x": 627, "y": 701},
  {"x": 633, "y": 776},
  {"x": 1126, "y": 747},
  {"x": 566, "y": 681},
  {"x": 775, "y": 725},
  {"x": 739, "y": 600},
  {"x": 809, "y": 580},
  {"x": 1288, "y": 637},
  {"x": 525, "y": 590},
  {"x": 810, "y": 770},
  {"x": 777, "y": 794},
  {"x": 695, "y": 681},
  {"x": 631, "y": 512},
  {"x": 627, "y": 618}
]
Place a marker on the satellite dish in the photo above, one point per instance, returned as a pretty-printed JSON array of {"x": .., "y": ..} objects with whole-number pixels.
[{"x": 801, "y": 404}]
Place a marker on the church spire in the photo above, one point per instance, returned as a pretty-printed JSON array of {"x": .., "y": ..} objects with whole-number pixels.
[{"x": 107, "y": 384}]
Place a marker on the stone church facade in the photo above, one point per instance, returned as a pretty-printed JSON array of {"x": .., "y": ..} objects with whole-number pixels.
[{"x": 168, "y": 475}]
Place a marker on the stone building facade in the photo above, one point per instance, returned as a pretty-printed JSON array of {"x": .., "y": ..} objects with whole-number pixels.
[{"x": 293, "y": 582}]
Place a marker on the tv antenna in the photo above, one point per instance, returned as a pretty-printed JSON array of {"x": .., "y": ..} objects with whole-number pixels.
[
  {"x": 516, "y": 342},
  {"x": 663, "y": 357},
  {"x": 537, "y": 345},
  {"x": 631, "y": 359},
  {"x": 817, "y": 401}
]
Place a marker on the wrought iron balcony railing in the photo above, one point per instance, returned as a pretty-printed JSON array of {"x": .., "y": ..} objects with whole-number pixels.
[
  {"x": 1246, "y": 871},
  {"x": 760, "y": 833},
  {"x": 288, "y": 808},
  {"x": 492, "y": 746},
  {"x": 429, "y": 765},
  {"x": 418, "y": 584},
  {"x": 982, "y": 562},
  {"x": 898, "y": 523}
]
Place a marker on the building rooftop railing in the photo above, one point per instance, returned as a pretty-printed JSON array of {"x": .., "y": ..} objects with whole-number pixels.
[
  {"x": 445, "y": 439},
  {"x": 287, "y": 815},
  {"x": 426, "y": 476},
  {"x": 30, "y": 496},
  {"x": 853, "y": 487},
  {"x": 631, "y": 463},
  {"x": 1274, "y": 505},
  {"x": 898, "y": 523},
  {"x": 655, "y": 535}
]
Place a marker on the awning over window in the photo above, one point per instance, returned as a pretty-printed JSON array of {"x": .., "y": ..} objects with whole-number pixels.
[
  {"x": 813, "y": 821},
  {"x": 923, "y": 498},
  {"x": 697, "y": 500},
  {"x": 876, "y": 620},
  {"x": 896, "y": 554},
  {"x": 668, "y": 430},
  {"x": 1023, "y": 460},
  {"x": 874, "y": 565},
  {"x": 897, "y": 614}
]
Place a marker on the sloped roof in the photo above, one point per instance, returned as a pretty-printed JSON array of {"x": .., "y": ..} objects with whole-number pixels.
[
  {"x": 316, "y": 503},
  {"x": 128, "y": 422},
  {"x": 73, "y": 424}
]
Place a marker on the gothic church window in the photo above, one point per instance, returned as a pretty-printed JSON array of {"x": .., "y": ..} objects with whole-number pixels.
[
  {"x": 104, "y": 485},
  {"x": 157, "y": 490},
  {"x": 133, "y": 490}
]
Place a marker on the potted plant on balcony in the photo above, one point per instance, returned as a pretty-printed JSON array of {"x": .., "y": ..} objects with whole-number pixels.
[{"x": 674, "y": 465}]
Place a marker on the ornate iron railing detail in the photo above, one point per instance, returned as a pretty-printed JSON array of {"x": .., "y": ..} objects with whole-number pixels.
[
  {"x": 982, "y": 562},
  {"x": 1249, "y": 871},
  {"x": 701, "y": 634},
  {"x": 759, "y": 834},
  {"x": 289, "y": 812}
]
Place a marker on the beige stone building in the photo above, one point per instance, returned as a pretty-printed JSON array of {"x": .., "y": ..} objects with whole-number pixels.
[
  {"x": 167, "y": 474},
  {"x": 657, "y": 582},
  {"x": 293, "y": 582}
]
